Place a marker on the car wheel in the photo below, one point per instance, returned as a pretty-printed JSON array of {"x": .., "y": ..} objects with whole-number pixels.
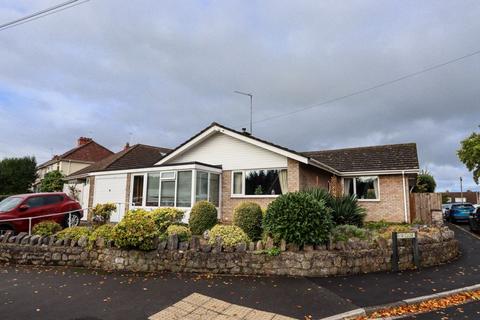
[
  {"x": 71, "y": 220},
  {"x": 4, "y": 229}
]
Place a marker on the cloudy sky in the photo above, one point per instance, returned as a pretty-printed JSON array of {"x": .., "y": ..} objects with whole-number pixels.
[{"x": 156, "y": 72}]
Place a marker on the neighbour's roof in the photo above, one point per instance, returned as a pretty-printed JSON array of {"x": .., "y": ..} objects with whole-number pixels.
[
  {"x": 136, "y": 156},
  {"x": 374, "y": 158},
  {"x": 90, "y": 151}
]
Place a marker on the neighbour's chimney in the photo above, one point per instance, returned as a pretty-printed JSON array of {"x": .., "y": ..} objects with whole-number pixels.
[
  {"x": 127, "y": 146},
  {"x": 83, "y": 140}
]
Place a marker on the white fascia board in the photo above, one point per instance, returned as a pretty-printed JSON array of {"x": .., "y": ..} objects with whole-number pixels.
[
  {"x": 195, "y": 166},
  {"x": 378, "y": 172},
  {"x": 238, "y": 136}
]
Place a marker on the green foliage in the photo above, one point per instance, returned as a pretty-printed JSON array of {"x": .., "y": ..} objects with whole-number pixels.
[
  {"x": 377, "y": 225},
  {"x": 183, "y": 232},
  {"x": 46, "y": 228},
  {"x": 202, "y": 217},
  {"x": 231, "y": 235},
  {"x": 101, "y": 212},
  {"x": 275, "y": 251},
  {"x": 17, "y": 175},
  {"x": 53, "y": 181},
  {"x": 248, "y": 216},
  {"x": 73, "y": 233},
  {"x": 344, "y": 209},
  {"x": 345, "y": 232},
  {"x": 298, "y": 218},
  {"x": 165, "y": 217},
  {"x": 137, "y": 230},
  {"x": 469, "y": 154},
  {"x": 105, "y": 231},
  {"x": 425, "y": 182}
]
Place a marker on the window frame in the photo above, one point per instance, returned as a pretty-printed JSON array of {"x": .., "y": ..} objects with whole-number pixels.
[
  {"x": 355, "y": 187},
  {"x": 243, "y": 195}
]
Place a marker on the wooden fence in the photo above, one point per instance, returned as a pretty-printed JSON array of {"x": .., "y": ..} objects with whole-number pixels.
[{"x": 423, "y": 204}]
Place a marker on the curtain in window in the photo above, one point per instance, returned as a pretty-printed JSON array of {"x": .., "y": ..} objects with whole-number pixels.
[
  {"x": 375, "y": 187},
  {"x": 347, "y": 184},
  {"x": 237, "y": 183},
  {"x": 282, "y": 177},
  {"x": 137, "y": 197},
  {"x": 167, "y": 193}
]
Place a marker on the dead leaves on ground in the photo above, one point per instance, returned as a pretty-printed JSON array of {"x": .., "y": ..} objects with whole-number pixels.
[{"x": 426, "y": 306}]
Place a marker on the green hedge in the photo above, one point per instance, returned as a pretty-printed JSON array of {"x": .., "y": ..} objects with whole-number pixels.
[
  {"x": 231, "y": 235},
  {"x": 203, "y": 216},
  {"x": 46, "y": 228},
  {"x": 298, "y": 218},
  {"x": 248, "y": 216},
  {"x": 137, "y": 230}
]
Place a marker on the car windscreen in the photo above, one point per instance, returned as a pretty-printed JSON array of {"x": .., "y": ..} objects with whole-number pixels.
[
  {"x": 9, "y": 203},
  {"x": 463, "y": 207}
]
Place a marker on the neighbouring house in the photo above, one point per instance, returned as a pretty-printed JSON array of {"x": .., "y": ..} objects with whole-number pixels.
[
  {"x": 83, "y": 155},
  {"x": 469, "y": 196},
  {"x": 226, "y": 167}
]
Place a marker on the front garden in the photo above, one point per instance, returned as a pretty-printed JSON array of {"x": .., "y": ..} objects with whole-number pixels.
[{"x": 297, "y": 221}]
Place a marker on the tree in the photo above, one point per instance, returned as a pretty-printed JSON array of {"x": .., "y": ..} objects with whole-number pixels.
[
  {"x": 425, "y": 182},
  {"x": 469, "y": 154},
  {"x": 53, "y": 181},
  {"x": 17, "y": 175}
]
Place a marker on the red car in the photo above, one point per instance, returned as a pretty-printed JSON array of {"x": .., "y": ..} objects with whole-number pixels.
[{"x": 36, "y": 205}]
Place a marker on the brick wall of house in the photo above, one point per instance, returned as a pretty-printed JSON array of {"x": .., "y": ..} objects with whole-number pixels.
[
  {"x": 390, "y": 207},
  {"x": 229, "y": 203},
  {"x": 293, "y": 175},
  {"x": 91, "y": 192},
  {"x": 313, "y": 177}
]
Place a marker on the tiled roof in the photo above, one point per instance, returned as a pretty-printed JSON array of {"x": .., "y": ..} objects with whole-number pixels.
[
  {"x": 375, "y": 158},
  {"x": 137, "y": 156},
  {"x": 88, "y": 152}
]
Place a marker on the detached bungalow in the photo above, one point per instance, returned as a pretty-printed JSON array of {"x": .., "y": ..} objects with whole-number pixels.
[{"x": 226, "y": 167}]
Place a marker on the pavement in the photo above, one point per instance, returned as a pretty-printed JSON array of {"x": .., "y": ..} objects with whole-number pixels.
[{"x": 29, "y": 292}]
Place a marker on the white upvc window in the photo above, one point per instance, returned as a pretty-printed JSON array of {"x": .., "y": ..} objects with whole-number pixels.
[
  {"x": 259, "y": 183},
  {"x": 365, "y": 188},
  {"x": 174, "y": 188}
]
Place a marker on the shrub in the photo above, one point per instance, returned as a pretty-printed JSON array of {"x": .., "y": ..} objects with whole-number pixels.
[
  {"x": 137, "y": 230},
  {"x": 231, "y": 235},
  {"x": 320, "y": 195},
  {"x": 164, "y": 217},
  {"x": 346, "y": 210},
  {"x": 104, "y": 231},
  {"x": 298, "y": 218},
  {"x": 46, "y": 228},
  {"x": 248, "y": 216},
  {"x": 74, "y": 233},
  {"x": 101, "y": 212},
  {"x": 183, "y": 232},
  {"x": 202, "y": 217},
  {"x": 345, "y": 232}
]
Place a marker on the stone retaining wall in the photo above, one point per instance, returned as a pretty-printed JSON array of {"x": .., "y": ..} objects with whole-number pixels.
[{"x": 343, "y": 258}]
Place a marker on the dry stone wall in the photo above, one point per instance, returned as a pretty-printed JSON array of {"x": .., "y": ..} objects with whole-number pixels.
[{"x": 342, "y": 258}]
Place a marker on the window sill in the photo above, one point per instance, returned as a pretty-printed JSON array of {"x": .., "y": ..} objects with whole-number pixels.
[{"x": 241, "y": 196}]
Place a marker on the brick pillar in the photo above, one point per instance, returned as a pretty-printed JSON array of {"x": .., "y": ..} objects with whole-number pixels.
[
  {"x": 127, "y": 192},
  {"x": 293, "y": 175}
]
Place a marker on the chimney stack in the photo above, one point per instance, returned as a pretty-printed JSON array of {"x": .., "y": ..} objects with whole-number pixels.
[
  {"x": 127, "y": 146},
  {"x": 83, "y": 140}
]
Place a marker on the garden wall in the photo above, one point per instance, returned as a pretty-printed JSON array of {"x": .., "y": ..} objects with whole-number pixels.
[{"x": 341, "y": 258}]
